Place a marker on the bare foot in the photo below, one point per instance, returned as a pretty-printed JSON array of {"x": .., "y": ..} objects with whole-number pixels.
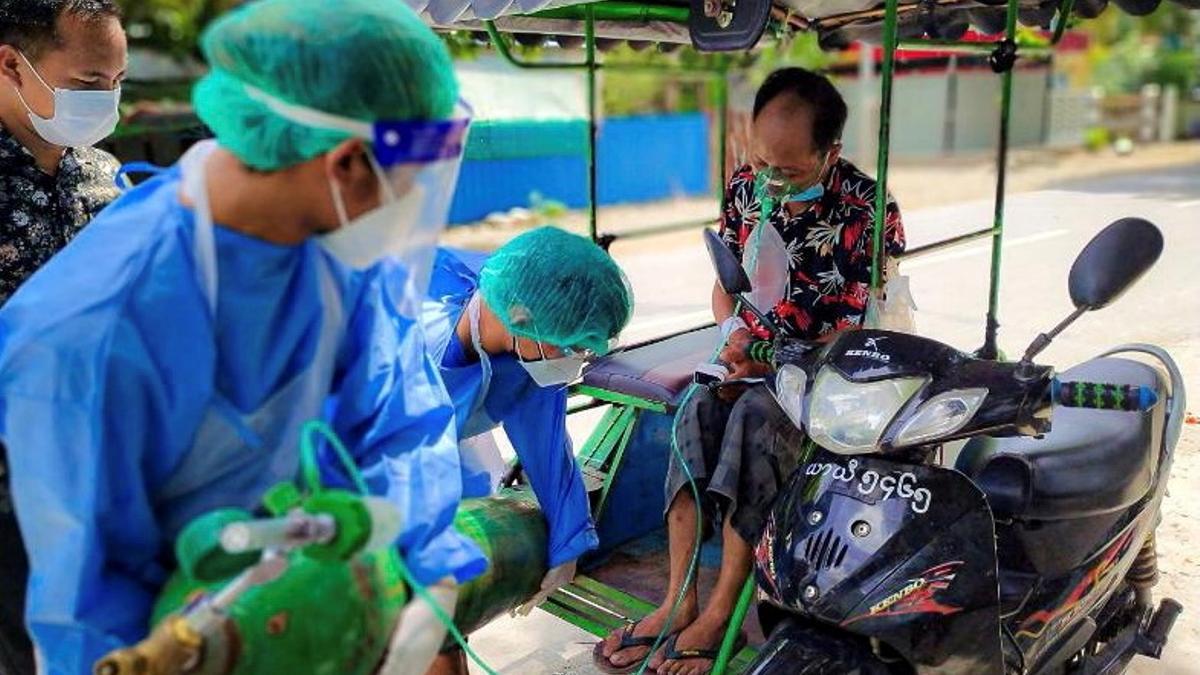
[
  {"x": 704, "y": 633},
  {"x": 648, "y": 627}
]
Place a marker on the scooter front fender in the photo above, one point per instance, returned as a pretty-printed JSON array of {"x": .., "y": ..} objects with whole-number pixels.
[{"x": 902, "y": 553}]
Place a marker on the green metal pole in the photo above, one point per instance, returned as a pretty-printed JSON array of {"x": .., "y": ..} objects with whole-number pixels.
[
  {"x": 990, "y": 349},
  {"x": 502, "y": 48},
  {"x": 589, "y": 37},
  {"x": 1064, "y": 13},
  {"x": 959, "y": 47},
  {"x": 745, "y": 599},
  {"x": 885, "y": 134},
  {"x": 591, "y": 66},
  {"x": 615, "y": 10}
]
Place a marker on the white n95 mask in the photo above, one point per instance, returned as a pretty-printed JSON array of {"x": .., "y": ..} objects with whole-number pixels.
[
  {"x": 555, "y": 372},
  {"x": 384, "y": 231}
]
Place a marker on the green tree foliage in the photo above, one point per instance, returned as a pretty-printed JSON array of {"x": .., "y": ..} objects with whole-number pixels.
[
  {"x": 1127, "y": 52},
  {"x": 674, "y": 89},
  {"x": 171, "y": 26}
]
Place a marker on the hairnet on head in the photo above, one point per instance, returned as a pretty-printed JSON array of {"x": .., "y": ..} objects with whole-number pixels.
[
  {"x": 368, "y": 60},
  {"x": 556, "y": 287}
]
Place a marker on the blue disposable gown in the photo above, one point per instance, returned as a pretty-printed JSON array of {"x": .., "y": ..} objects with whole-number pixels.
[
  {"x": 533, "y": 418},
  {"x": 108, "y": 359}
]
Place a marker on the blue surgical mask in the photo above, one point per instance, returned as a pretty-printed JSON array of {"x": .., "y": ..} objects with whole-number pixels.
[
  {"x": 811, "y": 193},
  {"x": 779, "y": 189}
]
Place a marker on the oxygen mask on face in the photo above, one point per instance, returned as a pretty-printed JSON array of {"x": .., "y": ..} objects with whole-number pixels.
[{"x": 775, "y": 184}]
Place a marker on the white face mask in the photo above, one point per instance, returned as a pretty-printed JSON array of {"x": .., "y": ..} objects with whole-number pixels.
[
  {"x": 81, "y": 117},
  {"x": 381, "y": 232},
  {"x": 555, "y": 372}
]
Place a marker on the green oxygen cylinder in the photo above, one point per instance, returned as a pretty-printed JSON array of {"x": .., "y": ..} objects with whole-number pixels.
[{"x": 331, "y": 610}]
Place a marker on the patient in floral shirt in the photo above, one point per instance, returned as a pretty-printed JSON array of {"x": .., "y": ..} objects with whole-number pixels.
[
  {"x": 830, "y": 243},
  {"x": 739, "y": 450}
]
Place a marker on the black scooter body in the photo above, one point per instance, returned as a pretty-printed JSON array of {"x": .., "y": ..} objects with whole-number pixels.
[
  {"x": 900, "y": 552},
  {"x": 895, "y": 559}
]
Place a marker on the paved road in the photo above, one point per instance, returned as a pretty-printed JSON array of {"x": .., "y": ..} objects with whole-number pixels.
[{"x": 1044, "y": 231}]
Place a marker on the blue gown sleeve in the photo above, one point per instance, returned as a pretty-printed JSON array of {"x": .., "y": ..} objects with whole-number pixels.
[
  {"x": 395, "y": 416},
  {"x": 78, "y": 480},
  {"x": 536, "y": 424}
]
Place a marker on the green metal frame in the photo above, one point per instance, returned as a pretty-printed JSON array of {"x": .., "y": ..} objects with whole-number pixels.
[
  {"x": 619, "y": 398},
  {"x": 600, "y": 609},
  {"x": 601, "y": 455},
  {"x": 891, "y": 44},
  {"x": 618, "y": 10}
]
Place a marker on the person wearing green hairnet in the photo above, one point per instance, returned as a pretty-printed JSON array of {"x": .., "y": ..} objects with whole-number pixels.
[
  {"x": 510, "y": 330},
  {"x": 162, "y": 365}
]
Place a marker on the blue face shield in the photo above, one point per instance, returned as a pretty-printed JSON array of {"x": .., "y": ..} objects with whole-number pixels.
[{"x": 416, "y": 162}]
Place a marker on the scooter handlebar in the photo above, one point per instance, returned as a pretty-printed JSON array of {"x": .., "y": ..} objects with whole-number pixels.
[
  {"x": 761, "y": 351},
  {"x": 1102, "y": 396}
]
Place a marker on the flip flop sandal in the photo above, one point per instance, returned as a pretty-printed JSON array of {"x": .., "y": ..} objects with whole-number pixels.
[
  {"x": 628, "y": 640},
  {"x": 671, "y": 653}
]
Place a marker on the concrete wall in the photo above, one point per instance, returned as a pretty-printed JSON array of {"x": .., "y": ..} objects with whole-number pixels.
[{"x": 939, "y": 113}]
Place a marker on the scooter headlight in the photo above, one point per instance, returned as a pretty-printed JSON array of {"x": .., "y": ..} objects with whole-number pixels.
[
  {"x": 941, "y": 416},
  {"x": 790, "y": 383},
  {"x": 848, "y": 417}
]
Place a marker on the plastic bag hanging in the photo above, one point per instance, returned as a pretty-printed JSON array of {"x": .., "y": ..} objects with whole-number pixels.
[
  {"x": 892, "y": 307},
  {"x": 766, "y": 263}
]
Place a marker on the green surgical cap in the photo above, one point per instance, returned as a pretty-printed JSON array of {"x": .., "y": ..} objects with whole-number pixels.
[
  {"x": 363, "y": 59},
  {"x": 553, "y": 286}
]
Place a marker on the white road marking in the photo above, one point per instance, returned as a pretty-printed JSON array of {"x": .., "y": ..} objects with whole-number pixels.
[{"x": 1010, "y": 242}]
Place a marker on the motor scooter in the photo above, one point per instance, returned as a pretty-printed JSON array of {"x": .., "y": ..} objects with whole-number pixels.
[{"x": 1033, "y": 553}]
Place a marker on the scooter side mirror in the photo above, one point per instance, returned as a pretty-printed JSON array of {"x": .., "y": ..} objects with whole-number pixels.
[
  {"x": 730, "y": 274},
  {"x": 1112, "y": 261},
  {"x": 1105, "y": 269}
]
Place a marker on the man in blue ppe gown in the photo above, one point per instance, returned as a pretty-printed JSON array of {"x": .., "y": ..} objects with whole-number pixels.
[
  {"x": 161, "y": 366},
  {"x": 510, "y": 331}
]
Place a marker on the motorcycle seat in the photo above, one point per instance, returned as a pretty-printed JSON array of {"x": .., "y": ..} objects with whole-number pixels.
[
  {"x": 659, "y": 370},
  {"x": 1090, "y": 462}
]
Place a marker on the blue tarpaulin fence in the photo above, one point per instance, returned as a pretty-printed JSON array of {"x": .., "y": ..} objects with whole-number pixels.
[{"x": 639, "y": 159}]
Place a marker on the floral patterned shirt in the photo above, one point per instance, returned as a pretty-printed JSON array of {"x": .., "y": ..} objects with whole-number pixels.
[
  {"x": 830, "y": 245},
  {"x": 40, "y": 213}
]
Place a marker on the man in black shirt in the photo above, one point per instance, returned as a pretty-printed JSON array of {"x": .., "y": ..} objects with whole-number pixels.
[{"x": 61, "y": 64}]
